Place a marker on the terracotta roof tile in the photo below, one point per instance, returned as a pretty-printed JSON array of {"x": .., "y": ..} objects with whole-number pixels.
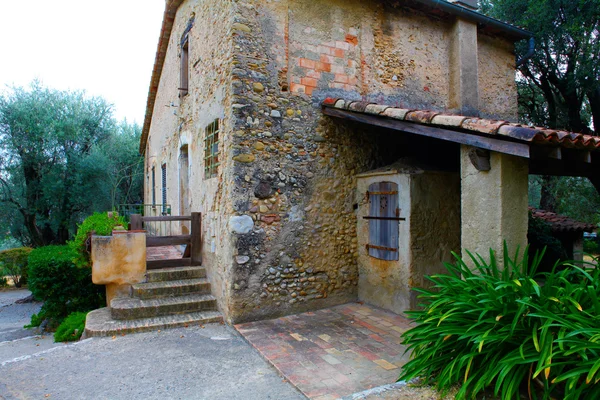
[
  {"x": 480, "y": 126},
  {"x": 561, "y": 223}
]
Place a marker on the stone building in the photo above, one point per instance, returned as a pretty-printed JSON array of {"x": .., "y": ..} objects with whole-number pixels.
[{"x": 340, "y": 149}]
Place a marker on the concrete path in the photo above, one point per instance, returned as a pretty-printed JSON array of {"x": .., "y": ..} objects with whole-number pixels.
[
  {"x": 213, "y": 362},
  {"x": 15, "y": 341}
]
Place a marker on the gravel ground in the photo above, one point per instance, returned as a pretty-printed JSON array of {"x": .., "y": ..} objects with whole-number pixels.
[{"x": 213, "y": 363}]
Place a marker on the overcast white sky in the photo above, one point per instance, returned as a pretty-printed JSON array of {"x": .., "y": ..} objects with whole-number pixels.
[{"x": 106, "y": 47}]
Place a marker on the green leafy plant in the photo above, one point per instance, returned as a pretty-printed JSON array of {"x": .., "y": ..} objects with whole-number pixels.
[
  {"x": 499, "y": 330},
  {"x": 13, "y": 262},
  {"x": 3, "y": 282},
  {"x": 97, "y": 224},
  {"x": 591, "y": 246},
  {"x": 71, "y": 329},
  {"x": 64, "y": 287},
  {"x": 36, "y": 320}
]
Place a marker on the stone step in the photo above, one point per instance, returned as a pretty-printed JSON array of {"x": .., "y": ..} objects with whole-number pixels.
[
  {"x": 174, "y": 274},
  {"x": 171, "y": 288},
  {"x": 100, "y": 323},
  {"x": 132, "y": 308}
]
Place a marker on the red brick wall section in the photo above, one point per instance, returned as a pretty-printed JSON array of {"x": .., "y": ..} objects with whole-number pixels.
[{"x": 335, "y": 68}]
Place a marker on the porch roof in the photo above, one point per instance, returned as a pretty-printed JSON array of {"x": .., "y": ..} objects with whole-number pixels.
[
  {"x": 561, "y": 223},
  {"x": 551, "y": 152}
]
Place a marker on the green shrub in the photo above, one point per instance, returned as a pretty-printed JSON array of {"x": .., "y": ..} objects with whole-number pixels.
[
  {"x": 13, "y": 262},
  {"x": 501, "y": 331},
  {"x": 97, "y": 224},
  {"x": 71, "y": 329},
  {"x": 590, "y": 246},
  {"x": 539, "y": 236},
  {"x": 3, "y": 282},
  {"x": 64, "y": 287},
  {"x": 36, "y": 320}
]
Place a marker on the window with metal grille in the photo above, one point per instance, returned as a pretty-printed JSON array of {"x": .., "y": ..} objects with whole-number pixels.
[
  {"x": 153, "y": 186},
  {"x": 185, "y": 68},
  {"x": 164, "y": 188},
  {"x": 211, "y": 149},
  {"x": 384, "y": 219}
]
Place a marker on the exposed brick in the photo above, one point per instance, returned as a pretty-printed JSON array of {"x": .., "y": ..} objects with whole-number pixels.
[
  {"x": 326, "y": 50},
  {"x": 323, "y": 67},
  {"x": 337, "y": 85},
  {"x": 353, "y": 40},
  {"x": 340, "y": 53},
  {"x": 342, "y": 45},
  {"x": 353, "y": 80},
  {"x": 309, "y": 90},
  {"x": 296, "y": 88},
  {"x": 326, "y": 59},
  {"x": 342, "y": 78},
  {"x": 313, "y": 74},
  {"x": 309, "y": 82},
  {"x": 306, "y": 63}
]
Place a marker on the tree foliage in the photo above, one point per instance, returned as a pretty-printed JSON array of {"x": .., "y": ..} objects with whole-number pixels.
[
  {"x": 559, "y": 87},
  {"x": 63, "y": 156}
]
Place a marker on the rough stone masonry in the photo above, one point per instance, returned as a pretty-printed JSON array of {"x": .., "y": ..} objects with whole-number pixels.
[{"x": 279, "y": 218}]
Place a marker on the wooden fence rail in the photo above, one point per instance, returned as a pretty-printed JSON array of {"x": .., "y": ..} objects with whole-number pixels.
[{"x": 193, "y": 241}]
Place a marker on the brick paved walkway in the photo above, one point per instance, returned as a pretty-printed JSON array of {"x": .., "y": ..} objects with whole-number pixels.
[
  {"x": 162, "y": 253},
  {"x": 331, "y": 353}
]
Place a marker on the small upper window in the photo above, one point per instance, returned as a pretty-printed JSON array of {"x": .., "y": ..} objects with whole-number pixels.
[
  {"x": 185, "y": 68},
  {"x": 211, "y": 150}
]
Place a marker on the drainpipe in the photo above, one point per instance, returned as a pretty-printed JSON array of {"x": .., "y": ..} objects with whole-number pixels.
[{"x": 529, "y": 54}]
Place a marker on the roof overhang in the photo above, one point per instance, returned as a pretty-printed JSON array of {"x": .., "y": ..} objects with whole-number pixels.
[
  {"x": 551, "y": 152},
  {"x": 171, "y": 7}
]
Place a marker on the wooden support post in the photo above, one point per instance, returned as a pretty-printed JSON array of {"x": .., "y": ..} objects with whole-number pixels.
[
  {"x": 136, "y": 222},
  {"x": 196, "y": 243}
]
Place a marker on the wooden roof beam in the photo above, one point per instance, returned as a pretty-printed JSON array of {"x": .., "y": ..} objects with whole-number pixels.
[{"x": 486, "y": 143}]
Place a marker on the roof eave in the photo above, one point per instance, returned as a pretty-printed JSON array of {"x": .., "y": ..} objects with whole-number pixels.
[{"x": 171, "y": 7}]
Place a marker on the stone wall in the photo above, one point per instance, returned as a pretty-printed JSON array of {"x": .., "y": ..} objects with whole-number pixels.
[
  {"x": 435, "y": 226},
  {"x": 497, "y": 86},
  {"x": 180, "y": 121},
  {"x": 280, "y": 220},
  {"x": 294, "y": 171}
]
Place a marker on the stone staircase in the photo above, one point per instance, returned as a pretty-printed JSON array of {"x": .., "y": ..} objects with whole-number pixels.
[{"x": 170, "y": 298}]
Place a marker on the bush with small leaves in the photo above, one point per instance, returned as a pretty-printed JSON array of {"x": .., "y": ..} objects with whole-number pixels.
[
  {"x": 13, "y": 263},
  {"x": 71, "y": 329},
  {"x": 97, "y": 224},
  {"x": 60, "y": 284}
]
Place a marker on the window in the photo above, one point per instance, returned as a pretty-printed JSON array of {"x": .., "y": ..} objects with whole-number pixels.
[
  {"x": 384, "y": 219},
  {"x": 164, "y": 188},
  {"x": 185, "y": 68},
  {"x": 153, "y": 186},
  {"x": 211, "y": 150}
]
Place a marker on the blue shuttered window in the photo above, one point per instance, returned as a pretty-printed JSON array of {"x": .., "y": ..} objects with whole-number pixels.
[{"x": 384, "y": 219}]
